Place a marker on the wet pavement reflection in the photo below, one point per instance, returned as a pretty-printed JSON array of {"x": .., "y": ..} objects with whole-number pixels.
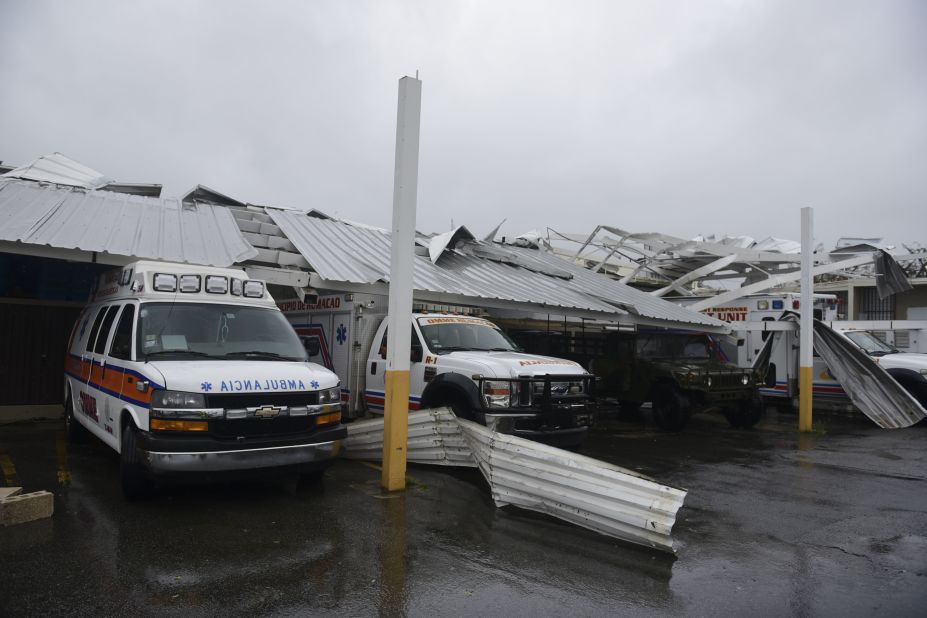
[{"x": 776, "y": 523}]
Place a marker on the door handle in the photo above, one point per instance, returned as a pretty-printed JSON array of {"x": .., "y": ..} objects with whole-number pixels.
[{"x": 373, "y": 369}]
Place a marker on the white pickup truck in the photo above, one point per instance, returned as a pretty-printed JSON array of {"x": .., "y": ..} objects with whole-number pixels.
[
  {"x": 460, "y": 361},
  {"x": 908, "y": 369}
]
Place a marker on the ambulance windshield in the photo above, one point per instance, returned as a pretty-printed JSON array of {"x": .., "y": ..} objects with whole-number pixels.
[
  {"x": 456, "y": 334},
  {"x": 195, "y": 331}
]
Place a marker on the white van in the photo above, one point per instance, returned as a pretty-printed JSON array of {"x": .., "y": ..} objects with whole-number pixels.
[{"x": 187, "y": 369}]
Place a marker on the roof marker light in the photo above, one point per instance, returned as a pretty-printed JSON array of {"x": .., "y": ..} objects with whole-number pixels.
[
  {"x": 164, "y": 282},
  {"x": 216, "y": 284},
  {"x": 236, "y": 287},
  {"x": 190, "y": 283},
  {"x": 254, "y": 289}
]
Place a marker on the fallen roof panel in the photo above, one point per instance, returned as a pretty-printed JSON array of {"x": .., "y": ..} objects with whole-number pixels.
[{"x": 120, "y": 224}]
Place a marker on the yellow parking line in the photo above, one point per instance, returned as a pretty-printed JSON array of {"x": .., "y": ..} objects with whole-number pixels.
[
  {"x": 9, "y": 470},
  {"x": 61, "y": 446}
]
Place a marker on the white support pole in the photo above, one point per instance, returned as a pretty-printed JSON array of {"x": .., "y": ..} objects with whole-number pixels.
[
  {"x": 806, "y": 339},
  {"x": 405, "y": 192}
]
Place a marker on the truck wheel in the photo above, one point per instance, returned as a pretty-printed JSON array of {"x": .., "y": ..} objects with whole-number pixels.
[
  {"x": 747, "y": 413},
  {"x": 135, "y": 483},
  {"x": 671, "y": 410},
  {"x": 76, "y": 431},
  {"x": 461, "y": 409}
]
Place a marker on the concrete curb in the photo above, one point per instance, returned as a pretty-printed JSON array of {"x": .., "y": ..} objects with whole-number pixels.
[{"x": 19, "y": 508}]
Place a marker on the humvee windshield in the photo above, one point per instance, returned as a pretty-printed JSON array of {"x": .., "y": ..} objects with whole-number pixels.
[{"x": 691, "y": 347}]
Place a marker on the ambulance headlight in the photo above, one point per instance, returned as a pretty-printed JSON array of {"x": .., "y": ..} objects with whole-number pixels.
[
  {"x": 177, "y": 399},
  {"x": 330, "y": 395},
  {"x": 497, "y": 393}
]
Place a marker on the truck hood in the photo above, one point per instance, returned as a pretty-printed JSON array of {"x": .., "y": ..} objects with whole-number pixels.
[
  {"x": 243, "y": 376},
  {"x": 509, "y": 364},
  {"x": 902, "y": 360}
]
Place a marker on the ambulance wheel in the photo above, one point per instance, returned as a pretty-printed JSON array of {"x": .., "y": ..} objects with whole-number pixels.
[
  {"x": 135, "y": 483},
  {"x": 76, "y": 431},
  {"x": 671, "y": 411}
]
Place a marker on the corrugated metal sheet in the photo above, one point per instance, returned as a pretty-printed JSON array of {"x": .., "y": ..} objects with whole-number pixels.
[
  {"x": 120, "y": 224},
  {"x": 59, "y": 169},
  {"x": 581, "y": 490},
  {"x": 338, "y": 251},
  {"x": 434, "y": 438},
  {"x": 866, "y": 383}
]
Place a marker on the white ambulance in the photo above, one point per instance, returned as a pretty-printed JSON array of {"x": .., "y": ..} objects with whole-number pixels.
[
  {"x": 186, "y": 369},
  {"x": 461, "y": 361}
]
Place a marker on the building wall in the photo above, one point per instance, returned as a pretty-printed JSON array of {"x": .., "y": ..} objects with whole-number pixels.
[{"x": 40, "y": 300}]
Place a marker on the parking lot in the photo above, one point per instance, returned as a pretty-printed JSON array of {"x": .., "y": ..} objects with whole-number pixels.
[{"x": 775, "y": 523}]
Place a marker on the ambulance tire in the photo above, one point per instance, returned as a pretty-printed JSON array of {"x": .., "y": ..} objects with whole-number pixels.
[
  {"x": 671, "y": 410},
  {"x": 76, "y": 432},
  {"x": 135, "y": 483}
]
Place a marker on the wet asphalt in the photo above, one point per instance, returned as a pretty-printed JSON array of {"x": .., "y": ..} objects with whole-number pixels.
[{"x": 775, "y": 524}]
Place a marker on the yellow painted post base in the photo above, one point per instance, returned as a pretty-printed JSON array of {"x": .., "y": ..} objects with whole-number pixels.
[
  {"x": 395, "y": 431},
  {"x": 805, "y": 388}
]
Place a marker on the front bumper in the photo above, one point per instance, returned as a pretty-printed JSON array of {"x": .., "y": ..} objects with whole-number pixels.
[
  {"x": 241, "y": 459},
  {"x": 563, "y": 427},
  {"x": 169, "y": 454}
]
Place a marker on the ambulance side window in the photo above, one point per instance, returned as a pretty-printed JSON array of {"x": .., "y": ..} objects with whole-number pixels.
[
  {"x": 105, "y": 327},
  {"x": 95, "y": 329},
  {"x": 122, "y": 340}
]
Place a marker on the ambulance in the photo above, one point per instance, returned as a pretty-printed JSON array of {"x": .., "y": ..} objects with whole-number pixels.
[
  {"x": 193, "y": 371},
  {"x": 458, "y": 359}
]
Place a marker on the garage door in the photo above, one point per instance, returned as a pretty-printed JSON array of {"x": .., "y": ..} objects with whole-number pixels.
[{"x": 33, "y": 342}]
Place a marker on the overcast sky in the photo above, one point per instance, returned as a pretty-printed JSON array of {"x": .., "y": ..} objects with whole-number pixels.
[{"x": 681, "y": 117}]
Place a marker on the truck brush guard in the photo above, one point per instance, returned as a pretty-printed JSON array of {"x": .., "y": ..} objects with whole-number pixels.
[{"x": 543, "y": 394}]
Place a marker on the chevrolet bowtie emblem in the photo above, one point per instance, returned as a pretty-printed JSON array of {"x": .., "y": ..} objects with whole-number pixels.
[{"x": 266, "y": 412}]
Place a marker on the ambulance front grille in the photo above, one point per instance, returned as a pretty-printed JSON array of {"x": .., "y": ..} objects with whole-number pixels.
[
  {"x": 256, "y": 400},
  {"x": 256, "y": 427}
]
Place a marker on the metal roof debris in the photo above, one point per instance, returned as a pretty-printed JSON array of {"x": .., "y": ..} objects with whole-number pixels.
[
  {"x": 345, "y": 254},
  {"x": 47, "y": 215},
  {"x": 61, "y": 170}
]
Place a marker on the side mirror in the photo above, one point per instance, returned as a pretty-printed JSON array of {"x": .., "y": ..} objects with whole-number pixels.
[
  {"x": 415, "y": 354},
  {"x": 311, "y": 345},
  {"x": 383, "y": 351}
]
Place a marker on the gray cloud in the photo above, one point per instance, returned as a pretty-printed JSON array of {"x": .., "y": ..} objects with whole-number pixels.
[{"x": 720, "y": 117}]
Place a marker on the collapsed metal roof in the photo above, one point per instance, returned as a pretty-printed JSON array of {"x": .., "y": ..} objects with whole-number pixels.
[
  {"x": 61, "y": 170},
  {"x": 347, "y": 257},
  {"x": 37, "y": 215},
  {"x": 704, "y": 266}
]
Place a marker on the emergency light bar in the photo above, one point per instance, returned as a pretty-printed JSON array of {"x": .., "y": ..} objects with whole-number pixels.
[
  {"x": 189, "y": 283},
  {"x": 254, "y": 289},
  {"x": 216, "y": 284},
  {"x": 164, "y": 282}
]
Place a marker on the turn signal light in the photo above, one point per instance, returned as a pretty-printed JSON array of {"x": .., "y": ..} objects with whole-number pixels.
[
  {"x": 157, "y": 424},
  {"x": 328, "y": 419}
]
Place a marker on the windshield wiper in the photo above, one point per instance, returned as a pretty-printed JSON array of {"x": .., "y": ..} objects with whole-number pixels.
[
  {"x": 188, "y": 352},
  {"x": 453, "y": 348},
  {"x": 261, "y": 353}
]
